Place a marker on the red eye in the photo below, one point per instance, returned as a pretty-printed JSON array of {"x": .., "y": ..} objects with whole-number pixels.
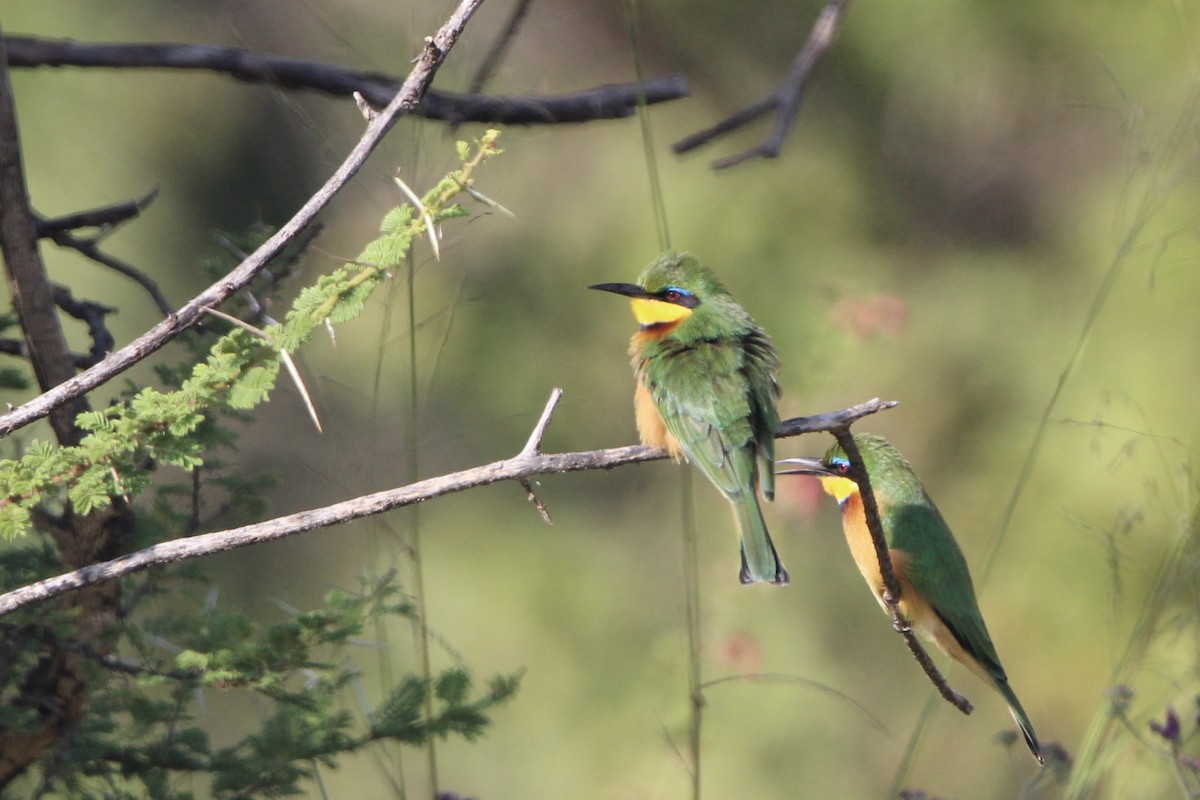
[{"x": 671, "y": 294}]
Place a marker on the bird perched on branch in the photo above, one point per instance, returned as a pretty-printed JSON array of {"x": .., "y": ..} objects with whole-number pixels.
[
  {"x": 707, "y": 387},
  {"x": 937, "y": 597}
]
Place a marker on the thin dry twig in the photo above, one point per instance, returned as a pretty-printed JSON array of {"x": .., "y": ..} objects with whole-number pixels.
[
  {"x": 523, "y": 466},
  {"x": 785, "y": 100},
  {"x": 533, "y": 445},
  {"x": 891, "y": 596},
  {"x": 404, "y": 101},
  {"x": 92, "y": 314},
  {"x": 611, "y": 101},
  {"x": 533, "y": 498}
]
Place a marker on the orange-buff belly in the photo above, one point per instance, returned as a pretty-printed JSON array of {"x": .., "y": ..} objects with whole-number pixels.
[
  {"x": 651, "y": 428},
  {"x": 915, "y": 608}
]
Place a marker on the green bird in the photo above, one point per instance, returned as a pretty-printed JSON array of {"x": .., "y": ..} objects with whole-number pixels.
[
  {"x": 706, "y": 391},
  {"x": 936, "y": 594}
]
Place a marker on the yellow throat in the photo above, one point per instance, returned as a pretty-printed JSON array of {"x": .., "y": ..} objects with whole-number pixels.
[
  {"x": 839, "y": 487},
  {"x": 658, "y": 312}
]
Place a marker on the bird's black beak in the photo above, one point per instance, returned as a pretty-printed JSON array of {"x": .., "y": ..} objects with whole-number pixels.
[
  {"x": 802, "y": 466},
  {"x": 627, "y": 289}
]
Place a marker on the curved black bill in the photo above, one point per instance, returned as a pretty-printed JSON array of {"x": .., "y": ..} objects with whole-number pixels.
[{"x": 627, "y": 289}]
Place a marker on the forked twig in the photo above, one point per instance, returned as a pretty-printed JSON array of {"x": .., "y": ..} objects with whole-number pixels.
[{"x": 785, "y": 100}]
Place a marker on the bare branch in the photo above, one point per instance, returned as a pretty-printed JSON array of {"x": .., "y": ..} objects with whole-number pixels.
[
  {"x": 785, "y": 100},
  {"x": 891, "y": 596},
  {"x": 521, "y": 467},
  {"x": 603, "y": 102},
  {"x": 104, "y": 217},
  {"x": 435, "y": 50},
  {"x": 536, "y": 501}
]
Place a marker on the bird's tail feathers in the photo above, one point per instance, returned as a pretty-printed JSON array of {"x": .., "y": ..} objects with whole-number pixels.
[
  {"x": 1022, "y": 720},
  {"x": 760, "y": 561}
]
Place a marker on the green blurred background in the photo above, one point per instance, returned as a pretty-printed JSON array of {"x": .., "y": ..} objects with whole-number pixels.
[{"x": 967, "y": 185}]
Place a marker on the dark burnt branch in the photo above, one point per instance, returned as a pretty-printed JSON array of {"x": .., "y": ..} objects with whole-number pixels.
[
  {"x": 16, "y": 347},
  {"x": 56, "y": 690},
  {"x": 105, "y": 218},
  {"x": 65, "y": 232},
  {"x": 529, "y": 462},
  {"x": 90, "y": 249},
  {"x": 858, "y": 473},
  {"x": 603, "y": 102},
  {"x": 91, "y": 314},
  {"x": 784, "y": 101}
]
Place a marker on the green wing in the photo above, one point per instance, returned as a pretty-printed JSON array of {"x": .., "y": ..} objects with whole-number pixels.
[
  {"x": 710, "y": 398},
  {"x": 760, "y": 367},
  {"x": 706, "y": 403},
  {"x": 939, "y": 572}
]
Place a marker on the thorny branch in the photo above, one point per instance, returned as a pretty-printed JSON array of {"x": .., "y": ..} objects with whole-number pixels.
[
  {"x": 530, "y": 461},
  {"x": 405, "y": 100},
  {"x": 858, "y": 473},
  {"x": 603, "y": 102},
  {"x": 785, "y": 100}
]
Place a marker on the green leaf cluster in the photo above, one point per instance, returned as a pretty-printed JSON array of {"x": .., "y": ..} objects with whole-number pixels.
[{"x": 141, "y": 737}]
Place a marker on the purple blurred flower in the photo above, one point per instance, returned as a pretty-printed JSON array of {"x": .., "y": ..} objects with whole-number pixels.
[{"x": 1168, "y": 730}]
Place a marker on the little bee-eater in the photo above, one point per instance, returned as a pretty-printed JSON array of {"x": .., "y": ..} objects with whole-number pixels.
[
  {"x": 706, "y": 391},
  {"x": 936, "y": 594}
]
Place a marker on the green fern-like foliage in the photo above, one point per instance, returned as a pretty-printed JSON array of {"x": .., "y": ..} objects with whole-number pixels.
[{"x": 142, "y": 736}]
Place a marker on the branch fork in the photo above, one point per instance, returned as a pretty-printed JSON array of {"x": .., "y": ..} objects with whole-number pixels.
[{"x": 533, "y": 449}]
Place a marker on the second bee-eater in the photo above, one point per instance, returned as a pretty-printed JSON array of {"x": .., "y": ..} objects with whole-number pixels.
[
  {"x": 936, "y": 594},
  {"x": 706, "y": 391}
]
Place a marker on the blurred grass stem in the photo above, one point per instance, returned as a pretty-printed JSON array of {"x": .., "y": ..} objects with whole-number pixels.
[{"x": 691, "y": 582}]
